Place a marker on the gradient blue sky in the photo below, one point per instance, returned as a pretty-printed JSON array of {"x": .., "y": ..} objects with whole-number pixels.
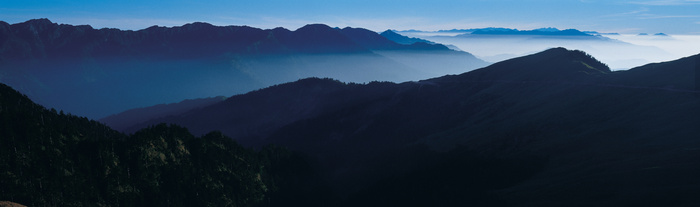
[{"x": 633, "y": 16}]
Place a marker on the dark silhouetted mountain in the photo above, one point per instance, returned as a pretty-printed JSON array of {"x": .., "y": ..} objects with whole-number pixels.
[
  {"x": 673, "y": 75},
  {"x": 557, "y": 104},
  {"x": 98, "y": 72},
  {"x": 319, "y": 38},
  {"x": 255, "y": 115},
  {"x": 126, "y": 119},
  {"x": 369, "y": 39},
  {"x": 329, "y": 95},
  {"x": 393, "y": 36},
  {"x": 548, "y": 129},
  {"x": 48, "y": 158},
  {"x": 557, "y": 64}
]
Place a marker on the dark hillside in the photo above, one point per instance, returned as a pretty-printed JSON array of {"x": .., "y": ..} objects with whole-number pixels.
[
  {"x": 253, "y": 116},
  {"x": 556, "y": 128},
  {"x": 48, "y": 158},
  {"x": 128, "y": 118},
  {"x": 586, "y": 134}
]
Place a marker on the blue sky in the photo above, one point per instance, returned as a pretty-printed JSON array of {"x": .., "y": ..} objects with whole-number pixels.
[{"x": 633, "y": 16}]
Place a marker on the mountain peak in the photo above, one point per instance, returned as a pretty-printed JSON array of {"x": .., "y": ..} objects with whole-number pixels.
[
  {"x": 550, "y": 65},
  {"x": 320, "y": 38},
  {"x": 587, "y": 59},
  {"x": 390, "y": 32},
  {"x": 547, "y": 29},
  {"x": 314, "y": 27},
  {"x": 35, "y": 25},
  {"x": 280, "y": 29},
  {"x": 42, "y": 21},
  {"x": 557, "y": 51},
  {"x": 4, "y": 27},
  {"x": 559, "y": 56},
  {"x": 198, "y": 25}
]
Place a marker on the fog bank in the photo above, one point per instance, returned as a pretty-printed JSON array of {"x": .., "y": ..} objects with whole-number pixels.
[{"x": 620, "y": 52}]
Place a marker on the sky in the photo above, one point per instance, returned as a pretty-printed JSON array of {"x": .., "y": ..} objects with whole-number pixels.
[{"x": 621, "y": 16}]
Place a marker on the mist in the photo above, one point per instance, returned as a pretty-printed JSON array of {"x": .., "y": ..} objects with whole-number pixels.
[
  {"x": 99, "y": 87},
  {"x": 619, "y": 52}
]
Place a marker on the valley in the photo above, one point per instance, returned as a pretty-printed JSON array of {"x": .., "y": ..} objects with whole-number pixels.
[{"x": 325, "y": 116}]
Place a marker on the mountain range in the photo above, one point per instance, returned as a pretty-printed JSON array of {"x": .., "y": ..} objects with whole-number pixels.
[
  {"x": 537, "y": 32},
  {"x": 548, "y": 31},
  {"x": 553, "y": 128},
  {"x": 559, "y": 124},
  {"x": 53, "y": 63}
]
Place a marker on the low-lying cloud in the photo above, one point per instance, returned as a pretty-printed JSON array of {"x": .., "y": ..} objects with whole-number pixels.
[{"x": 618, "y": 51}]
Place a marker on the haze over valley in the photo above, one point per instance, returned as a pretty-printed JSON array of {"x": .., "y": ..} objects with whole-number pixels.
[
  {"x": 350, "y": 103},
  {"x": 110, "y": 70},
  {"x": 619, "y": 51}
]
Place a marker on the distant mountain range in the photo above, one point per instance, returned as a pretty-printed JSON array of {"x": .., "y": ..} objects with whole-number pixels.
[
  {"x": 104, "y": 71},
  {"x": 547, "y": 31},
  {"x": 657, "y": 34},
  {"x": 563, "y": 127},
  {"x": 498, "y": 44}
]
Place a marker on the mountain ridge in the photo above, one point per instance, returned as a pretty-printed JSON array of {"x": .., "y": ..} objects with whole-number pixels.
[
  {"x": 47, "y": 32},
  {"x": 547, "y": 129},
  {"x": 396, "y": 37},
  {"x": 124, "y": 119},
  {"x": 46, "y": 60},
  {"x": 554, "y": 66}
]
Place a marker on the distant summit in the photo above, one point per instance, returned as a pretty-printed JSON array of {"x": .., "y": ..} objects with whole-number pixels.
[
  {"x": 655, "y": 35},
  {"x": 599, "y": 33},
  {"x": 543, "y": 31},
  {"x": 548, "y": 29},
  {"x": 457, "y": 31}
]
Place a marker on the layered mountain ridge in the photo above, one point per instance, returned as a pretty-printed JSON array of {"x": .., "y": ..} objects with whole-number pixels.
[
  {"x": 55, "y": 62},
  {"x": 548, "y": 129},
  {"x": 42, "y": 38},
  {"x": 576, "y": 127}
]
